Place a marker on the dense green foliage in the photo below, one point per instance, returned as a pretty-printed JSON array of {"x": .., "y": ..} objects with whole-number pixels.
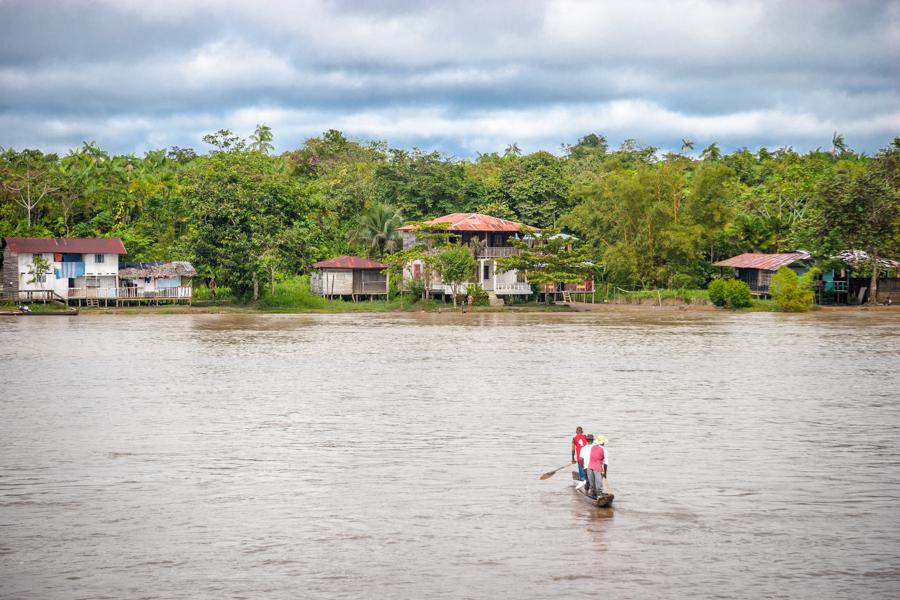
[
  {"x": 246, "y": 217},
  {"x": 792, "y": 293},
  {"x": 731, "y": 293},
  {"x": 457, "y": 266}
]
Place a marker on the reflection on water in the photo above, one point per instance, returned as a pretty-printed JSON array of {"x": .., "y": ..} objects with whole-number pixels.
[{"x": 398, "y": 455}]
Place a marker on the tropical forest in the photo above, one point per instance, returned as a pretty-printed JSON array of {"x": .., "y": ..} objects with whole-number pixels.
[{"x": 247, "y": 216}]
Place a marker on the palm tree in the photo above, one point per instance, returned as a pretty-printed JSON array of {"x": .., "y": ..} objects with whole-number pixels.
[
  {"x": 261, "y": 140},
  {"x": 711, "y": 152},
  {"x": 378, "y": 229},
  {"x": 686, "y": 144},
  {"x": 837, "y": 144}
]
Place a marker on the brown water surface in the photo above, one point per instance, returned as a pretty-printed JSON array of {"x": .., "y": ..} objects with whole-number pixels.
[{"x": 397, "y": 456}]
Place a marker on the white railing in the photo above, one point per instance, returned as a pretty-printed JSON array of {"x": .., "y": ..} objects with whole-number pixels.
[
  {"x": 126, "y": 293},
  {"x": 497, "y": 251},
  {"x": 518, "y": 287}
]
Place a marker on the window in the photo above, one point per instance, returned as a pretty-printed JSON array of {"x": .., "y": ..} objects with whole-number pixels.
[
  {"x": 487, "y": 271},
  {"x": 98, "y": 258}
]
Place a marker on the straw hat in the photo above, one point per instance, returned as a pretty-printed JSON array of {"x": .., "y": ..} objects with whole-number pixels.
[{"x": 600, "y": 439}]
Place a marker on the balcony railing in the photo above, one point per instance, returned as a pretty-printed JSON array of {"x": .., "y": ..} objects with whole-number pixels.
[
  {"x": 497, "y": 251},
  {"x": 129, "y": 293},
  {"x": 519, "y": 287}
]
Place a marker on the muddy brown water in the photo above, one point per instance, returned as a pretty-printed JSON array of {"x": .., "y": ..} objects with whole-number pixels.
[{"x": 398, "y": 456}]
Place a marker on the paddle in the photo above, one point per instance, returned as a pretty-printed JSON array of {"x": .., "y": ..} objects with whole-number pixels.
[
  {"x": 550, "y": 474},
  {"x": 606, "y": 488}
]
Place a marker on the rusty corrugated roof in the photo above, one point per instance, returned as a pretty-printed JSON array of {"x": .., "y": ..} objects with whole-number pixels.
[
  {"x": 349, "y": 262},
  {"x": 68, "y": 245},
  {"x": 473, "y": 222},
  {"x": 765, "y": 262}
]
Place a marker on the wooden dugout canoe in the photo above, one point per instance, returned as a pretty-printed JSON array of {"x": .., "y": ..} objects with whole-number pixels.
[{"x": 602, "y": 502}]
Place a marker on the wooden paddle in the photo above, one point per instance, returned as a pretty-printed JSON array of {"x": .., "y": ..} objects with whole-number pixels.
[{"x": 550, "y": 474}]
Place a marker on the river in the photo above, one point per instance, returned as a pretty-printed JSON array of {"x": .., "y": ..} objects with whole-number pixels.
[{"x": 398, "y": 456}]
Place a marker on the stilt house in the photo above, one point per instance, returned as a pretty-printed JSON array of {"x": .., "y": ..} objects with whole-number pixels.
[
  {"x": 756, "y": 269},
  {"x": 349, "y": 276}
]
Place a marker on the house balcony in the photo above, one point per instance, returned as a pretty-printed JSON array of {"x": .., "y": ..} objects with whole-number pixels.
[
  {"x": 497, "y": 251},
  {"x": 129, "y": 293}
]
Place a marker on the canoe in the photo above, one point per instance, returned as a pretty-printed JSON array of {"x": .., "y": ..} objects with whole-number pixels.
[{"x": 603, "y": 501}]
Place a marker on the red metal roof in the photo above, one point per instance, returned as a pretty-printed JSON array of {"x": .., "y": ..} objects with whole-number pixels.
[
  {"x": 473, "y": 222},
  {"x": 766, "y": 262},
  {"x": 69, "y": 245},
  {"x": 349, "y": 262}
]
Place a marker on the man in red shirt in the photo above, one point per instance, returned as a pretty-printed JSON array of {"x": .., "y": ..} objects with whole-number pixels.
[{"x": 578, "y": 442}]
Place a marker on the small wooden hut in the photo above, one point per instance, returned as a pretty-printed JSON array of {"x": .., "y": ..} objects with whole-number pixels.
[
  {"x": 756, "y": 269},
  {"x": 349, "y": 277},
  {"x": 156, "y": 281}
]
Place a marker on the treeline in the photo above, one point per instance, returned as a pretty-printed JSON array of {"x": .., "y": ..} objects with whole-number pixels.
[{"x": 244, "y": 215}]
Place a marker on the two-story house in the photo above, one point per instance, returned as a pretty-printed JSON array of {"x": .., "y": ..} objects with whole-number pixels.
[
  {"x": 492, "y": 236},
  {"x": 78, "y": 268}
]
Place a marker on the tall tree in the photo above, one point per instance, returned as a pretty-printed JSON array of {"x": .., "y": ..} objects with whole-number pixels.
[
  {"x": 860, "y": 209},
  {"x": 261, "y": 140}
]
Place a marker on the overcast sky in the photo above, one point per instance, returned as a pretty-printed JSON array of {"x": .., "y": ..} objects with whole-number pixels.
[{"x": 460, "y": 77}]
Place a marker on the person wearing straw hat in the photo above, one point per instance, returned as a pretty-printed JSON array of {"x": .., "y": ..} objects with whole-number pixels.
[
  {"x": 592, "y": 456},
  {"x": 601, "y": 441}
]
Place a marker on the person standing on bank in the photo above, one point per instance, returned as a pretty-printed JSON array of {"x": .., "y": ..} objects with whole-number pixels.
[{"x": 578, "y": 442}]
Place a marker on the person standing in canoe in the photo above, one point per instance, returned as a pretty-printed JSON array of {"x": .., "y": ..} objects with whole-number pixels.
[
  {"x": 578, "y": 442},
  {"x": 592, "y": 458}
]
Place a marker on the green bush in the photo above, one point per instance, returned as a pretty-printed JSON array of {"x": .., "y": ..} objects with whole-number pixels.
[
  {"x": 416, "y": 288},
  {"x": 477, "y": 292},
  {"x": 716, "y": 291},
  {"x": 792, "y": 293},
  {"x": 737, "y": 294},
  {"x": 731, "y": 293}
]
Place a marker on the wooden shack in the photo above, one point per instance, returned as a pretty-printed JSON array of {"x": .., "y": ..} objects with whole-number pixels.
[
  {"x": 349, "y": 277},
  {"x": 756, "y": 269},
  {"x": 156, "y": 282}
]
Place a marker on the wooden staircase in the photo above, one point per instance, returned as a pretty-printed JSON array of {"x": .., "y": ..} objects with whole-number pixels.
[{"x": 566, "y": 297}]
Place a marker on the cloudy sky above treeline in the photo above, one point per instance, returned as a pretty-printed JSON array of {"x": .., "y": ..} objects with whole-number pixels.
[{"x": 459, "y": 77}]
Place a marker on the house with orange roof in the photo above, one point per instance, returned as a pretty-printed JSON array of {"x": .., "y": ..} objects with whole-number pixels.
[{"x": 490, "y": 237}]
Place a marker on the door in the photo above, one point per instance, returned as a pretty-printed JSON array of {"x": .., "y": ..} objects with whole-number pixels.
[{"x": 487, "y": 275}]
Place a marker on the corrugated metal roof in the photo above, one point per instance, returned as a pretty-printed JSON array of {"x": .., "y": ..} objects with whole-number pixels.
[
  {"x": 70, "y": 245},
  {"x": 473, "y": 222},
  {"x": 349, "y": 262},
  {"x": 766, "y": 262},
  {"x": 178, "y": 268}
]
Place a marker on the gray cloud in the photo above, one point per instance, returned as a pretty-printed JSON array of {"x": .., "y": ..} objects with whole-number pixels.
[{"x": 456, "y": 76}]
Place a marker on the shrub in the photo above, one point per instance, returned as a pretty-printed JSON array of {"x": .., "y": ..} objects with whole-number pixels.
[
  {"x": 477, "y": 292},
  {"x": 792, "y": 293},
  {"x": 716, "y": 291},
  {"x": 731, "y": 293},
  {"x": 737, "y": 294},
  {"x": 416, "y": 288}
]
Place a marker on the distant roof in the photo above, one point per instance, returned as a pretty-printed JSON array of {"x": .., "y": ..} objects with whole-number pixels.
[
  {"x": 349, "y": 262},
  {"x": 765, "y": 262},
  {"x": 136, "y": 270},
  {"x": 69, "y": 245},
  {"x": 473, "y": 222}
]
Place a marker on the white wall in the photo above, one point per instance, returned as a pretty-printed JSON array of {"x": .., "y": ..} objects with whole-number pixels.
[{"x": 109, "y": 266}]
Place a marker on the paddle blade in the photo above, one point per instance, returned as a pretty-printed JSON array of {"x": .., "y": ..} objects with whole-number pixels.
[{"x": 548, "y": 475}]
